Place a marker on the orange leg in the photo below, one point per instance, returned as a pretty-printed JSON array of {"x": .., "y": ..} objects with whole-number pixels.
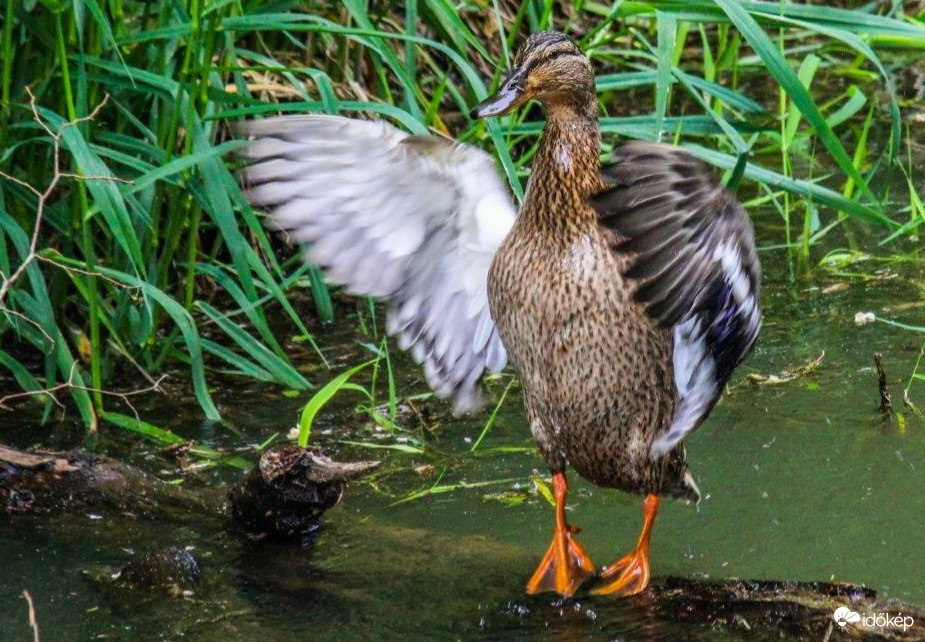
[
  {"x": 630, "y": 575},
  {"x": 565, "y": 564}
]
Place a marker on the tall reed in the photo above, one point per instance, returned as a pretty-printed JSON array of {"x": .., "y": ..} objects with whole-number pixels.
[{"x": 147, "y": 254}]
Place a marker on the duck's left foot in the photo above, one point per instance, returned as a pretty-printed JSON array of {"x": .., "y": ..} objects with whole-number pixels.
[{"x": 630, "y": 575}]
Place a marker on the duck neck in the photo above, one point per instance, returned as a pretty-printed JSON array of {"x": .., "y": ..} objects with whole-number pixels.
[{"x": 566, "y": 169}]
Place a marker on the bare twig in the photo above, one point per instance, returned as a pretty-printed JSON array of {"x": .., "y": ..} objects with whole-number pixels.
[
  {"x": 33, "y": 622},
  {"x": 98, "y": 275},
  {"x": 21, "y": 183},
  {"x": 32, "y": 322},
  {"x": 7, "y": 282},
  {"x": 43, "y": 195},
  {"x": 70, "y": 385}
]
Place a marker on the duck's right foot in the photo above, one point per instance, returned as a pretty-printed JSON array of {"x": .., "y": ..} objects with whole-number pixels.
[{"x": 565, "y": 565}]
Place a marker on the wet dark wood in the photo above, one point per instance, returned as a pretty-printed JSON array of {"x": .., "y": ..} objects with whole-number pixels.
[
  {"x": 52, "y": 482},
  {"x": 286, "y": 494},
  {"x": 886, "y": 403},
  {"x": 792, "y": 610}
]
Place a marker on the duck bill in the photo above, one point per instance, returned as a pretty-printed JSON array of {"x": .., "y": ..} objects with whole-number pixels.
[{"x": 511, "y": 94}]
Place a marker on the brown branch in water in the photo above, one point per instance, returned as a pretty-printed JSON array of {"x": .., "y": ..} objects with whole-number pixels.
[
  {"x": 785, "y": 610},
  {"x": 33, "y": 621},
  {"x": 886, "y": 404},
  {"x": 283, "y": 497},
  {"x": 49, "y": 483}
]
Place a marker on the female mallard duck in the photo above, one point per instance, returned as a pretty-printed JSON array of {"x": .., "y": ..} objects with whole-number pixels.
[{"x": 625, "y": 296}]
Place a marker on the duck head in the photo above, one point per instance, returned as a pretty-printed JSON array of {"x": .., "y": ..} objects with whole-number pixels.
[{"x": 550, "y": 68}]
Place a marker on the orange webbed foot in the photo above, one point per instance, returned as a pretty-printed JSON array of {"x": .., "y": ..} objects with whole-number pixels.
[
  {"x": 562, "y": 573},
  {"x": 630, "y": 575},
  {"x": 565, "y": 565}
]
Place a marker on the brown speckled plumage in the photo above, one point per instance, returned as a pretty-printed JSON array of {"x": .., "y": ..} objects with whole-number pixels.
[
  {"x": 611, "y": 280},
  {"x": 596, "y": 373}
]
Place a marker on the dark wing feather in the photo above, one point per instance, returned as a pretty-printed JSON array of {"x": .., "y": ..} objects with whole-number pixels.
[{"x": 694, "y": 264}]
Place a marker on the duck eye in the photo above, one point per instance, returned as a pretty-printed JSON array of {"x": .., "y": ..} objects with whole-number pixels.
[
  {"x": 557, "y": 54},
  {"x": 514, "y": 81}
]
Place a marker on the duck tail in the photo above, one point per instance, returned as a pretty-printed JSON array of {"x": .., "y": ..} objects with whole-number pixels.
[{"x": 685, "y": 489}]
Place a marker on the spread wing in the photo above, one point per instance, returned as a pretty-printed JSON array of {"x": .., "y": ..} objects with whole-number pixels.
[
  {"x": 695, "y": 267},
  {"x": 414, "y": 220}
]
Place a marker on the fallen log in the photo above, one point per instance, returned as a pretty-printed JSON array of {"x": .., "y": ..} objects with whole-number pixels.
[
  {"x": 51, "y": 482},
  {"x": 795, "y": 610},
  {"x": 283, "y": 496}
]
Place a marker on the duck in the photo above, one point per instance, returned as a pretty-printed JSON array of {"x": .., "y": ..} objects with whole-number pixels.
[{"x": 624, "y": 294}]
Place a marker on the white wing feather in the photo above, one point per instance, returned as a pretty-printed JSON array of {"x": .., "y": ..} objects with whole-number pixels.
[{"x": 409, "y": 219}]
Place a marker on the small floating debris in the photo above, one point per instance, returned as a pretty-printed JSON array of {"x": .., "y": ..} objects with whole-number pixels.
[
  {"x": 839, "y": 286},
  {"x": 788, "y": 374}
]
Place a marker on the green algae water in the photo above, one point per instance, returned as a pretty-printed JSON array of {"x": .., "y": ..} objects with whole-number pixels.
[{"x": 802, "y": 479}]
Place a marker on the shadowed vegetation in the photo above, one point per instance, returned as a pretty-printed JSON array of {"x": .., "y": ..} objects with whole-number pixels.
[{"x": 144, "y": 256}]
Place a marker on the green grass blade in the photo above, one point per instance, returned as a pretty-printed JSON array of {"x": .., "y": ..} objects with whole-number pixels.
[
  {"x": 799, "y": 187},
  {"x": 183, "y": 321},
  {"x": 784, "y": 75},
  {"x": 323, "y": 396},
  {"x": 667, "y": 30},
  {"x": 148, "y": 430},
  {"x": 272, "y": 363}
]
